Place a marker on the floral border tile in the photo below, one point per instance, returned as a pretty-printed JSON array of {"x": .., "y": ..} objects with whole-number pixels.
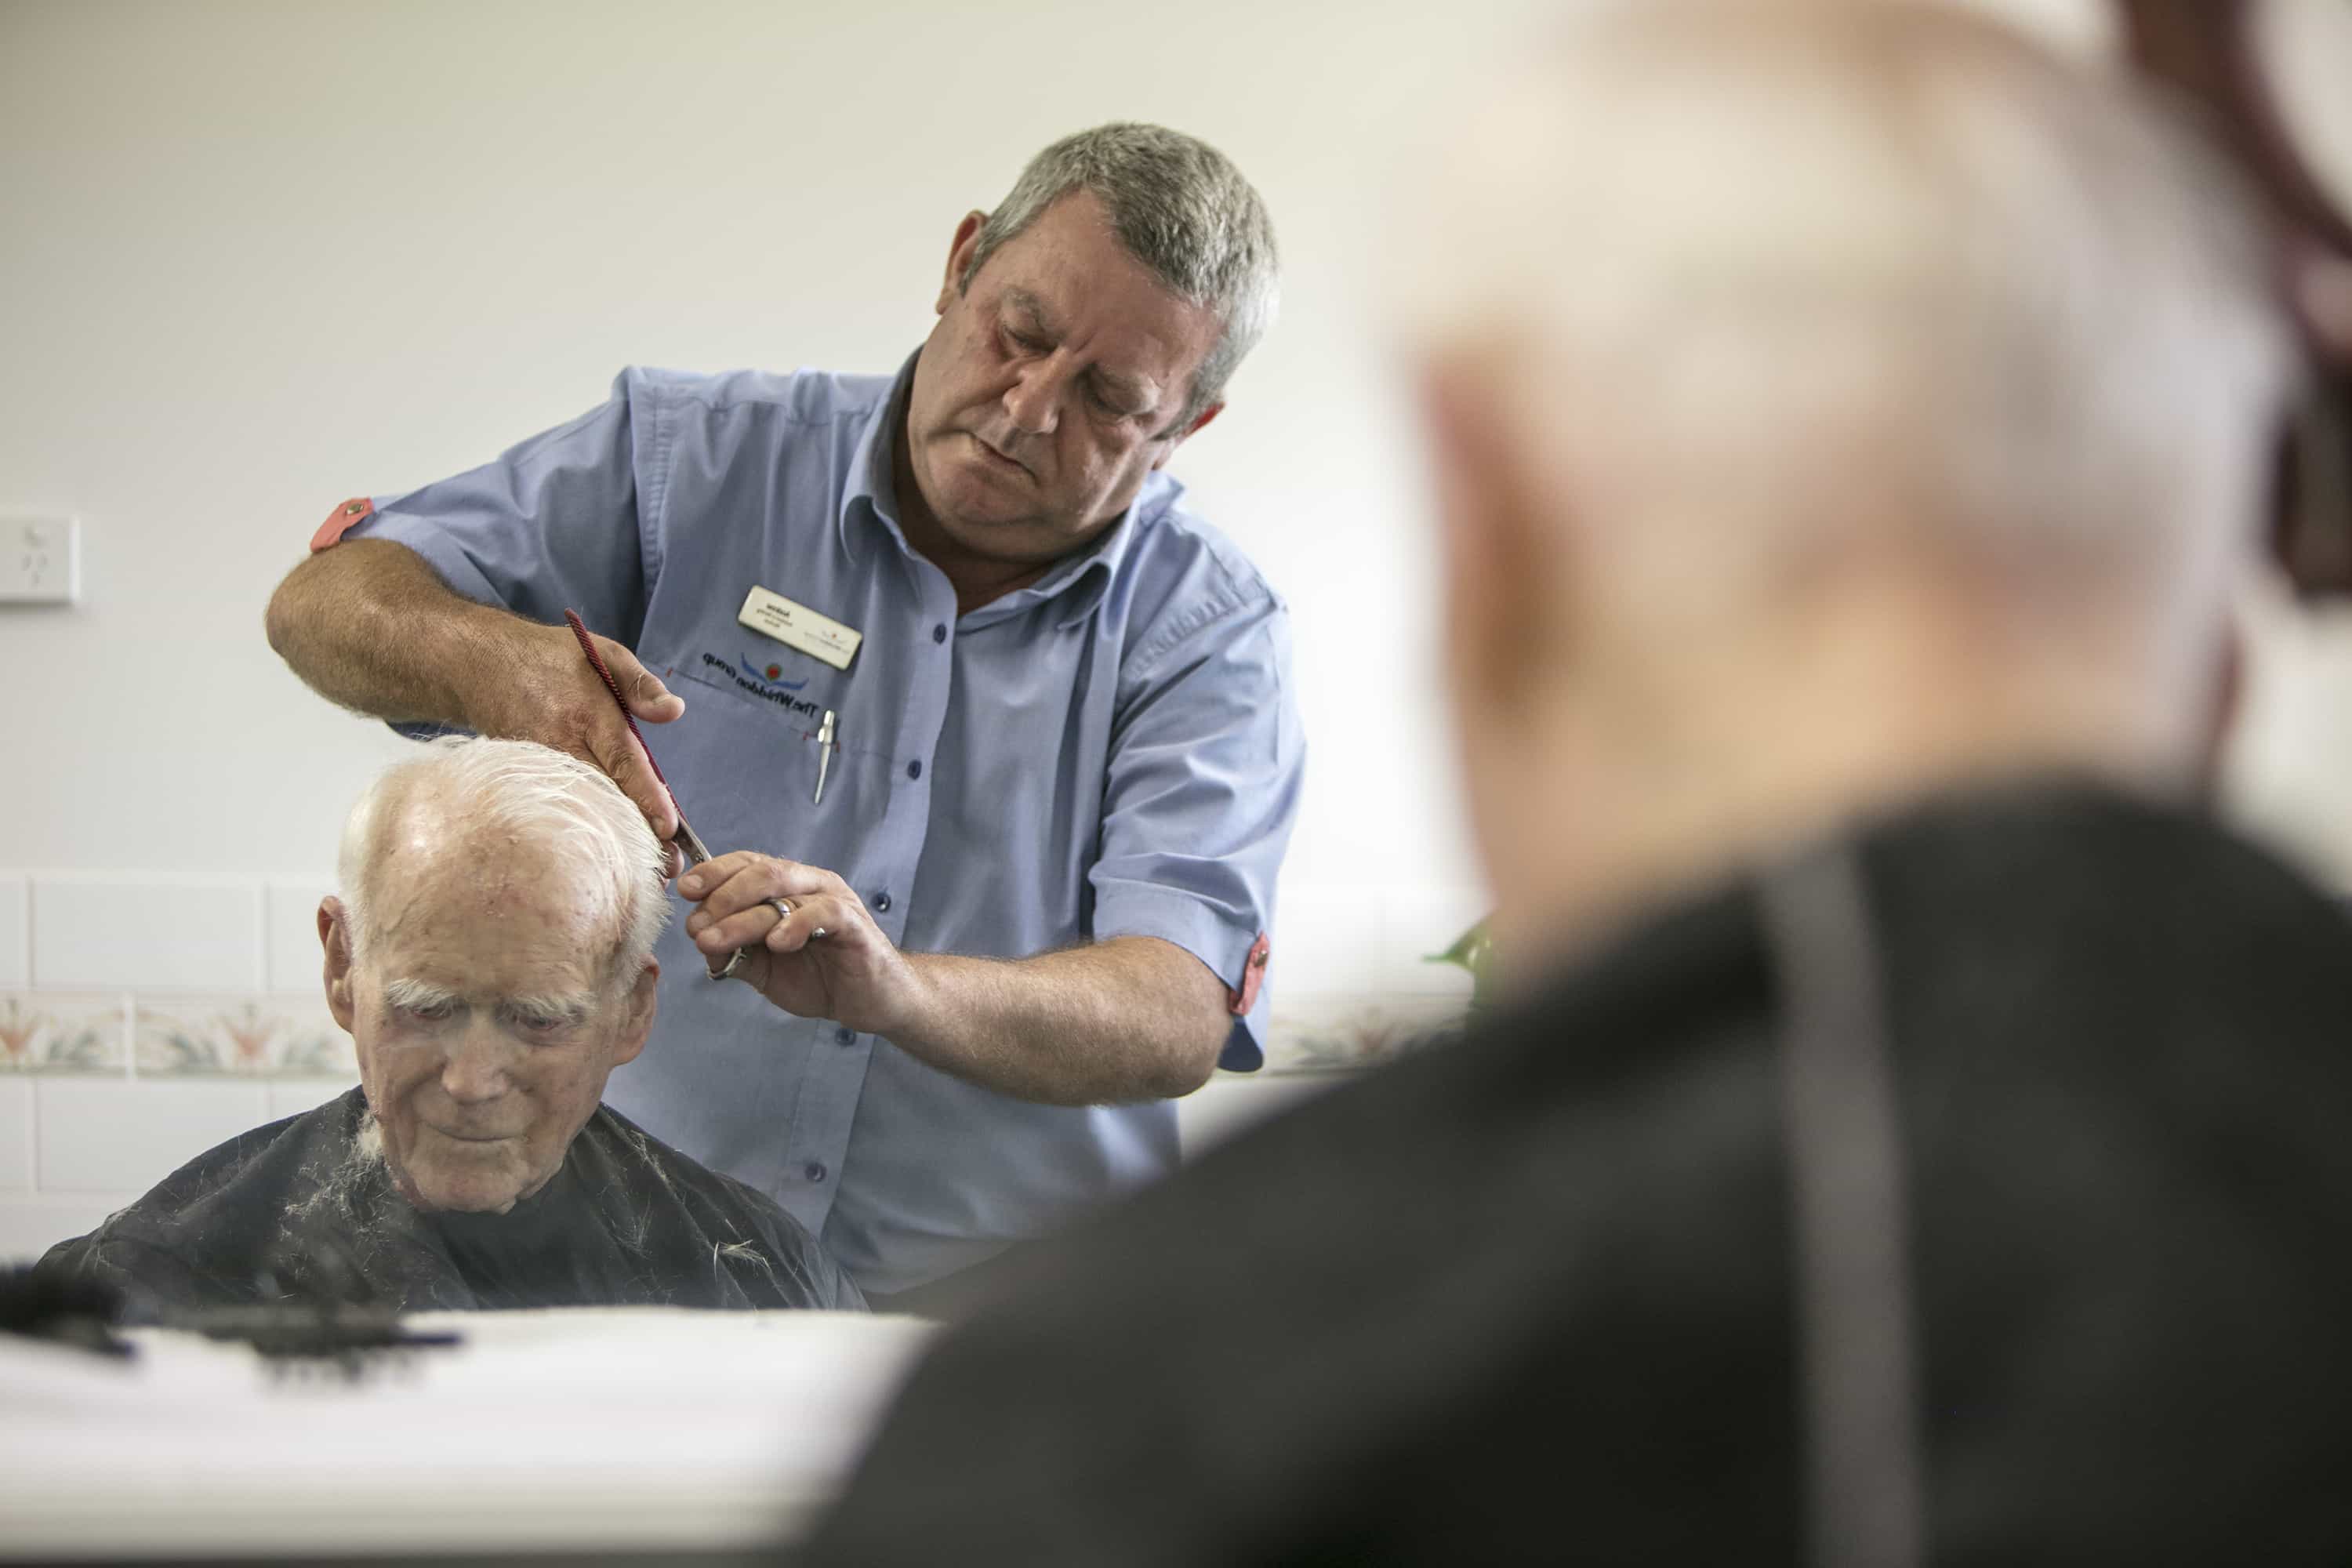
[
  {"x": 1339, "y": 1034},
  {"x": 239, "y": 1036},
  {"x": 62, "y": 1033}
]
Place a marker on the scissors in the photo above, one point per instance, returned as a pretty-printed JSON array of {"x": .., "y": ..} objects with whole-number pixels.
[{"x": 688, "y": 842}]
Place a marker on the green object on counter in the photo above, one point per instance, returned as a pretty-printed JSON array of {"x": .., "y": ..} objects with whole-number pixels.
[{"x": 1473, "y": 950}]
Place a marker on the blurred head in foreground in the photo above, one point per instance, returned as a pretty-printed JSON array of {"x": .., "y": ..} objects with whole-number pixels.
[
  {"x": 491, "y": 954},
  {"x": 1829, "y": 403}
]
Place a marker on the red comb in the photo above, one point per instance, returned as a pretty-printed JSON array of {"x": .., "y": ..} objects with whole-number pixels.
[
  {"x": 588, "y": 647},
  {"x": 688, "y": 842}
]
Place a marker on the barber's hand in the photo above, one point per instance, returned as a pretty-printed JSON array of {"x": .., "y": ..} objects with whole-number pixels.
[
  {"x": 553, "y": 696},
  {"x": 853, "y": 974}
]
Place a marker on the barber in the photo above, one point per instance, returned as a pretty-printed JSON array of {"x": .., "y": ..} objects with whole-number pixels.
[{"x": 945, "y": 666}]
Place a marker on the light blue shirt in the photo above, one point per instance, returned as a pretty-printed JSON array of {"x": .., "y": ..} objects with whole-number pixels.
[{"x": 1111, "y": 752}]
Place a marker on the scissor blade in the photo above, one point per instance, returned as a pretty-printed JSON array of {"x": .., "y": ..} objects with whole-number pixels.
[{"x": 688, "y": 839}]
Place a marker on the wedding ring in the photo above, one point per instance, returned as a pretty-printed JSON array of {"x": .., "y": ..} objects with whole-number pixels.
[{"x": 735, "y": 959}]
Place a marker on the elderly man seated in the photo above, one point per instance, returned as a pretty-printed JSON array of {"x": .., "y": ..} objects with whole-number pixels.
[{"x": 491, "y": 956}]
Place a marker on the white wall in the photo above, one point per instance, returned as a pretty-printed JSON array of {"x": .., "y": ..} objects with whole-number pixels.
[{"x": 256, "y": 258}]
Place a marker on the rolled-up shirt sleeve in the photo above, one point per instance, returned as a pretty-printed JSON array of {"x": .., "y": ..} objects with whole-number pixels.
[
  {"x": 1202, "y": 792},
  {"x": 554, "y": 523}
]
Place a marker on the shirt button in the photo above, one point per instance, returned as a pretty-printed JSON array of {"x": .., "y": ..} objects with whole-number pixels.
[
  {"x": 813, "y": 1171},
  {"x": 939, "y": 632},
  {"x": 844, "y": 1036},
  {"x": 882, "y": 902},
  {"x": 914, "y": 770}
]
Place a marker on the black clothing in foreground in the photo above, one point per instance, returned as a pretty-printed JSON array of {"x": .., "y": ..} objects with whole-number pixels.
[
  {"x": 1542, "y": 1296},
  {"x": 295, "y": 1211}
]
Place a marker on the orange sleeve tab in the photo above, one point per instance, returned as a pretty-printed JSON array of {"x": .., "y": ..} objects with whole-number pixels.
[
  {"x": 342, "y": 521},
  {"x": 1252, "y": 976}
]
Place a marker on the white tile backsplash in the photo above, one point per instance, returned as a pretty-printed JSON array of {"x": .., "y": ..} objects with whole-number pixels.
[
  {"x": 30, "y": 1223},
  {"x": 239, "y": 1037},
  {"x": 100, "y": 1136},
  {"x": 16, "y": 934},
  {"x": 290, "y": 949},
  {"x": 16, "y": 1134},
  {"x": 65, "y": 1032},
  {"x": 97, "y": 932}
]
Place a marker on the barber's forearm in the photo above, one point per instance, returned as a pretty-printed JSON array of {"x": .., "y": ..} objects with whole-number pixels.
[
  {"x": 369, "y": 625},
  {"x": 1130, "y": 1019}
]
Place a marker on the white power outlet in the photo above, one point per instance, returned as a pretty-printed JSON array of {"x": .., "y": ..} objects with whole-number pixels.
[{"x": 40, "y": 561}]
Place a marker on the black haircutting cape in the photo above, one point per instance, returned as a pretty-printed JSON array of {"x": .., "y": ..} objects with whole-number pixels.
[{"x": 293, "y": 1212}]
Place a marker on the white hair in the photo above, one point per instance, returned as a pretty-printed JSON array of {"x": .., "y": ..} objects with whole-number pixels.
[
  {"x": 520, "y": 793},
  {"x": 1784, "y": 265}
]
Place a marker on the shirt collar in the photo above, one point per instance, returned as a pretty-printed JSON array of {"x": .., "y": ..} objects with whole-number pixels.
[
  {"x": 872, "y": 494},
  {"x": 871, "y": 498}
]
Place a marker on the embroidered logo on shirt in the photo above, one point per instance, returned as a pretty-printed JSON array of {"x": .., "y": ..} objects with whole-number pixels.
[
  {"x": 745, "y": 675},
  {"x": 767, "y": 674}
]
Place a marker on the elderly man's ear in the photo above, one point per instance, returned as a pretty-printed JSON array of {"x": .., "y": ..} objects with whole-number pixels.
[
  {"x": 335, "y": 937},
  {"x": 640, "y": 1021}
]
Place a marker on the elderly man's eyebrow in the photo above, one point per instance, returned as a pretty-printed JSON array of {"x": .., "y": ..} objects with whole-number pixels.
[
  {"x": 575, "y": 1009},
  {"x": 417, "y": 995}
]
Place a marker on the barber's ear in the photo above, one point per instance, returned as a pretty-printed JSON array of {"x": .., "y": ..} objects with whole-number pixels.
[
  {"x": 960, "y": 254},
  {"x": 1178, "y": 438},
  {"x": 335, "y": 937},
  {"x": 1499, "y": 557},
  {"x": 641, "y": 1015}
]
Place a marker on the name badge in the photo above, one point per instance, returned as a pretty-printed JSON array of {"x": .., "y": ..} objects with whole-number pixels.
[{"x": 798, "y": 626}]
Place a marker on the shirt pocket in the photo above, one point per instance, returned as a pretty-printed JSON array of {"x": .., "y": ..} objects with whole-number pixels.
[
  {"x": 764, "y": 763},
  {"x": 755, "y": 730}
]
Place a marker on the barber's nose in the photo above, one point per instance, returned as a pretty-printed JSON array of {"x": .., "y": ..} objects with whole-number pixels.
[{"x": 1033, "y": 400}]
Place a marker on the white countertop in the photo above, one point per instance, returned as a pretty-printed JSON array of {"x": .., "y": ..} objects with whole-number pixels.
[{"x": 606, "y": 1429}]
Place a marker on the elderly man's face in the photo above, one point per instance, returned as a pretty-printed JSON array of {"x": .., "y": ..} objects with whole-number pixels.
[
  {"x": 1046, "y": 392},
  {"x": 485, "y": 1025}
]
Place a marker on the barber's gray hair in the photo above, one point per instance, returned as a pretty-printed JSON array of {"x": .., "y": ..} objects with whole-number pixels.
[
  {"x": 520, "y": 793},
  {"x": 1780, "y": 264},
  {"x": 1180, "y": 207}
]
